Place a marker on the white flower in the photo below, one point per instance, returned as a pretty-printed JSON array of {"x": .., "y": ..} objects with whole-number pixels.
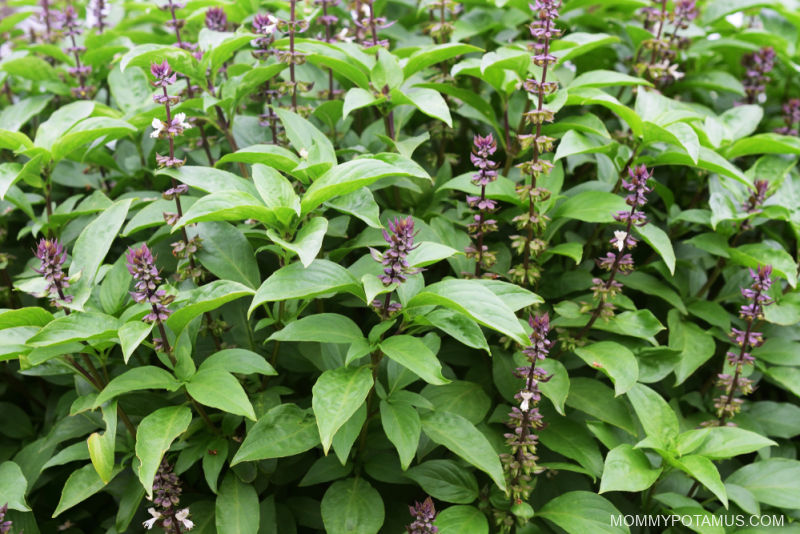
[
  {"x": 183, "y": 517},
  {"x": 158, "y": 127},
  {"x": 303, "y": 153},
  {"x": 180, "y": 118},
  {"x": 619, "y": 239},
  {"x": 150, "y": 523},
  {"x": 526, "y": 398}
]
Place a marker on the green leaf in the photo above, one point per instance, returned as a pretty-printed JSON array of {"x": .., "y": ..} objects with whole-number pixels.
[
  {"x": 606, "y": 78},
  {"x": 579, "y": 43},
  {"x": 579, "y": 512},
  {"x": 12, "y": 118},
  {"x": 574, "y": 441},
  {"x": 285, "y": 430},
  {"x": 428, "y": 101},
  {"x": 209, "y": 180},
  {"x": 131, "y": 336},
  {"x": 627, "y": 469},
  {"x": 206, "y": 298},
  {"x": 433, "y": 54},
  {"x": 460, "y": 436},
  {"x": 574, "y": 143},
  {"x": 101, "y": 447},
  {"x": 30, "y": 68},
  {"x": 14, "y": 485},
  {"x": 765, "y": 143},
  {"x": 461, "y": 519},
  {"x": 585, "y": 96},
  {"x": 321, "y": 327},
  {"x": 413, "y": 354},
  {"x": 219, "y": 389},
  {"x": 88, "y": 131},
  {"x": 81, "y": 484},
  {"x": 155, "y": 434},
  {"x": 277, "y": 194},
  {"x": 661, "y": 243},
  {"x": 446, "y": 481},
  {"x": 360, "y": 204},
  {"x": 357, "y": 98},
  {"x": 227, "y": 254},
  {"x": 346, "y": 178},
  {"x": 274, "y": 156},
  {"x": 352, "y": 506},
  {"x": 614, "y": 360},
  {"x": 704, "y": 471},
  {"x": 303, "y": 135},
  {"x": 95, "y": 241},
  {"x": 307, "y": 242},
  {"x": 591, "y": 206},
  {"x": 596, "y": 399},
  {"x": 137, "y": 379},
  {"x": 228, "y": 206},
  {"x": 657, "y": 418},
  {"x": 461, "y": 397},
  {"x": 707, "y": 159},
  {"x": 719, "y": 443},
  {"x": 29, "y": 316},
  {"x": 237, "y": 508},
  {"x": 295, "y": 282},
  {"x": 775, "y": 481},
  {"x": 337, "y": 394},
  {"x": 402, "y": 426},
  {"x": 461, "y": 296},
  {"x": 238, "y": 361},
  {"x": 651, "y": 285},
  {"x": 76, "y": 327},
  {"x": 696, "y": 346},
  {"x": 757, "y": 254},
  {"x": 557, "y": 386},
  {"x": 459, "y": 326}
]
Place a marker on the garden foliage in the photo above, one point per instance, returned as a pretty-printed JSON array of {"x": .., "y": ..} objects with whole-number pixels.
[{"x": 356, "y": 267}]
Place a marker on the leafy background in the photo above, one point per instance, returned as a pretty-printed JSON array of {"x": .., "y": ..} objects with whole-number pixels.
[{"x": 321, "y": 414}]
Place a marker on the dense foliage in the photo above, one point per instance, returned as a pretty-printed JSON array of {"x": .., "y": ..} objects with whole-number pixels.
[{"x": 301, "y": 266}]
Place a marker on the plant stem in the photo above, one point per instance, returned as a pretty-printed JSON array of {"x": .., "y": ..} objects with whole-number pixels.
[{"x": 293, "y": 18}]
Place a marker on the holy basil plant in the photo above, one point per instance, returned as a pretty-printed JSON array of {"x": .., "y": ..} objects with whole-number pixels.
[{"x": 448, "y": 267}]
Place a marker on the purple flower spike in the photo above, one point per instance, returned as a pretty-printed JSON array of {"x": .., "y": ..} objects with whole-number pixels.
[
  {"x": 5, "y": 526},
  {"x": 525, "y": 419},
  {"x": 424, "y": 514},
  {"x": 141, "y": 265},
  {"x": 757, "y": 66},
  {"x": 163, "y": 74},
  {"x": 166, "y": 498},
  {"x": 400, "y": 237},
  {"x": 216, "y": 19},
  {"x": 728, "y": 405},
  {"x": 52, "y": 255}
]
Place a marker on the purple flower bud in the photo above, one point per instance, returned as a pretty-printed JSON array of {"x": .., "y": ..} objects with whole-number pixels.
[
  {"x": 216, "y": 19},
  {"x": 141, "y": 265},
  {"x": 424, "y": 514},
  {"x": 52, "y": 255},
  {"x": 400, "y": 238},
  {"x": 757, "y": 67},
  {"x": 162, "y": 72},
  {"x": 5, "y": 526}
]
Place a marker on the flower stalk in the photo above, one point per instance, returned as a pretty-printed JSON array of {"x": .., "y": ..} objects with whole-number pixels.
[
  {"x": 524, "y": 421},
  {"x": 728, "y": 404},
  {"x": 532, "y": 223},
  {"x": 483, "y": 148},
  {"x": 396, "y": 270},
  {"x": 71, "y": 26}
]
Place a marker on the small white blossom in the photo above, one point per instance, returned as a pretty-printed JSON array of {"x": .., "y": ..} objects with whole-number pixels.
[
  {"x": 183, "y": 517},
  {"x": 619, "y": 239},
  {"x": 303, "y": 153},
  {"x": 150, "y": 523},
  {"x": 526, "y": 399},
  {"x": 158, "y": 127}
]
